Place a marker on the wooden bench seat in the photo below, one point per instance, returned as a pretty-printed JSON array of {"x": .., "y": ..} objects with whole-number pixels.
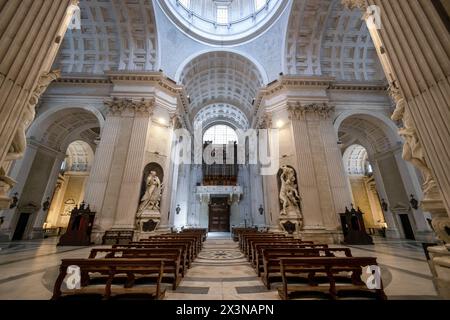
[
  {"x": 185, "y": 255},
  {"x": 117, "y": 237},
  {"x": 172, "y": 257},
  {"x": 257, "y": 261},
  {"x": 272, "y": 257},
  {"x": 334, "y": 269},
  {"x": 112, "y": 268},
  {"x": 253, "y": 243}
]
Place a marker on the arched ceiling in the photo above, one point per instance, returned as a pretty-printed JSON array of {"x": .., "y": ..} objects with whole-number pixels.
[
  {"x": 62, "y": 127},
  {"x": 326, "y": 39},
  {"x": 114, "y": 35},
  {"x": 79, "y": 156},
  {"x": 243, "y": 19},
  {"x": 355, "y": 159},
  {"x": 367, "y": 131},
  {"x": 221, "y": 78},
  {"x": 221, "y": 112}
]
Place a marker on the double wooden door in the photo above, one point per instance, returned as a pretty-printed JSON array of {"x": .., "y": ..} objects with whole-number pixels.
[{"x": 219, "y": 216}]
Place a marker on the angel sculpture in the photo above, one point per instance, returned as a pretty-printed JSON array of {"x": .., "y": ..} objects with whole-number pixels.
[
  {"x": 152, "y": 196},
  {"x": 289, "y": 196}
]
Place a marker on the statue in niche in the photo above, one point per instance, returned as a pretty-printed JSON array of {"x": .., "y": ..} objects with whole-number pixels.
[
  {"x": 289, "y": 196},
  {"x": 152, "y": 197},
  {"x": 412, "y": 149}
]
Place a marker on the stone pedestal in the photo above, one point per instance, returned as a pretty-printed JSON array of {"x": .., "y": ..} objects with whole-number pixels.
[
  {"x": 147, "y": 224},
  {"x": 291, "y": 222},
  {"x": 440, "y": 268},
  {"x": 6, "y": 184}
]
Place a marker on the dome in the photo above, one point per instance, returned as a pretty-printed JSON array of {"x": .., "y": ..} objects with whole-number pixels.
[{"x": 224, "y": 22}]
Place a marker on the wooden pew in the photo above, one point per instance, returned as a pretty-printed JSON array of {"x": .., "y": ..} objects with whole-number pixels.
[
  {"x": 245, "y": 240},
  {"x": 117, "y": 237},
  {"x": 271, "y": 258},
  {"x": 172, "y": 258},
  {"x": 112, "y": 268},
  {"x": 184, "y": 247},
  {"x": 332, "y": 267},
  {"x": 254, "y": 242},
  {"x": 148, "y": 244},
  {"x": 259, "y": 247},
  {"x": 194, "y": 250}
]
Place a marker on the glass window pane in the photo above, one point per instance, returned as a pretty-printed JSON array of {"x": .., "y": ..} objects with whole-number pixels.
[
  {"x": 222, "y": 15},
  {"x": 220, "y": 134}
]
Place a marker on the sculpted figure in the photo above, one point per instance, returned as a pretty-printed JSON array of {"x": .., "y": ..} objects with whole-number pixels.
[
  {"x": 152, "y": 196},
  {"x": 19, "y": 142},
  {"x": 412, "y": 149},
  {"x": 289, "y": 196}
]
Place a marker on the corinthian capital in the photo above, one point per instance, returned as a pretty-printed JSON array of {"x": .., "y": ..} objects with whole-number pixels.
[
  {"x": 354, "y": 4},
  {"x": 123, "y": 106},
  {"x": 314, "y": 110}
]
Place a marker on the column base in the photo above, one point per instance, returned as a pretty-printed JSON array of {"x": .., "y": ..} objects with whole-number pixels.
[
  {"x": 5, "y": 235},
  {"x": 440, "y": 269},
  {"x": 6, "y": 184},
  {"x": 37, "y": 234},
  {"x": 322, "y": 236},
  {"x": 393, "y": 234}
]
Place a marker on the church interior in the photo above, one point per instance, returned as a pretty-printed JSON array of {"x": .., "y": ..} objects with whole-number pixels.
[{"x": 225, "y": 149}]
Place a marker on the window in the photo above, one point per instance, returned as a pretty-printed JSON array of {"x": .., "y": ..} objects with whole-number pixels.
[
  {"x": 259, "y": 4},
  {"x": 220, "y": 134},
  {"x": 185, "y": 3},
  {"x": 222, "y": 14}
]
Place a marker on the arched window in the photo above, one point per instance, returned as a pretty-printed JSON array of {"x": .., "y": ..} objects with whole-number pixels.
[{"x": 220, "y": 134}]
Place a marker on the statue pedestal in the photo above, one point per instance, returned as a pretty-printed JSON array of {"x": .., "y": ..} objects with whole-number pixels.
[
  {"x": 291, "y": 222},
  {"x": 147, "y": 223},
  {"x": 6, "y": 184}
]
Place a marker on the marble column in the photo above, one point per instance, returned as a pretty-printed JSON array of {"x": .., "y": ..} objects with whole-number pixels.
[
  {"x": 141, "y": 112},
  {"x": 31, "y": 33},
  {"x": 392, "y": 228},
  {"x": 321, "y": 175},
  {"x": 38, "y": 226},
  {"x": 413, "y": 43}
]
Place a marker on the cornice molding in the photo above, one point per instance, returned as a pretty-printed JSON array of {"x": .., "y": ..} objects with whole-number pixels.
[
  {"x": 125, "y": 106},
  {"x": 297, "y": 111}
]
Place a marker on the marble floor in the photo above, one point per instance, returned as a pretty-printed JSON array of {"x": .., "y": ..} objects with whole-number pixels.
[{"x": 28, "y": 270}]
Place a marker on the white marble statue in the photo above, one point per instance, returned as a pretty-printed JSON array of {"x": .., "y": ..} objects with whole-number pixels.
[
  {"x": 289, "y": 196},
  {"x": 152, "y": 197}
]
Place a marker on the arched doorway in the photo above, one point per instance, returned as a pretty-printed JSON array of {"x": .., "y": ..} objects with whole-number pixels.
[
  {"x": 69, "y": 190},
  {"x": 363, "y": 188},
  {"x": 60, "y": 141},
  {"x": 372, "y": 154}
]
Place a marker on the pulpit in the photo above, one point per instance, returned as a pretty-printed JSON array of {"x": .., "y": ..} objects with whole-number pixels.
[
  {"x": 80, "y": 227},
  {"x": 354, "y": 228}
]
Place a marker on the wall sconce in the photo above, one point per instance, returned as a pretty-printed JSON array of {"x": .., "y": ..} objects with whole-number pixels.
[
  {"x": 178, "y": 209},
  {"x": 261, "y": 210},
  {"x": 2, "y": 219},
  {"x": 414, "y": 203},
  {"x": 46, "y": 204},
  {"x": 15, "y": 200},
  {"x": 384, "y": 205}
]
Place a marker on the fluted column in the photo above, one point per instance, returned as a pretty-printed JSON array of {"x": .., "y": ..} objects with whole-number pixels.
[
  {"x": 414, "y": 47},
  {"x": 31, "y": 33},
  {"x": 322, "y": 181},
  {"x": 38, "y": 226},
  {"x": 130, "y": 185}
]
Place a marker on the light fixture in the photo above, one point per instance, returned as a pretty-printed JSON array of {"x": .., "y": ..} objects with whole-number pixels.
[
  {"x": 280, "y": 124},
  {"x": 178, "y": 209},
  {"x": 414, "y": 203},
  {"x": 162, "y": 121},
  {"x": 261, "y": 210}
]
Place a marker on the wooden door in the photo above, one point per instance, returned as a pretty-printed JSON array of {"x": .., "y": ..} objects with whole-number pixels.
[{"x": 219, "y": 217}]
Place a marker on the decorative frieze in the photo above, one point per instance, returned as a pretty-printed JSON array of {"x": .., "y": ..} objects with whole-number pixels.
[
  {"x": 123, "y": 106},
  {"x": 318, "y": 111}
]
